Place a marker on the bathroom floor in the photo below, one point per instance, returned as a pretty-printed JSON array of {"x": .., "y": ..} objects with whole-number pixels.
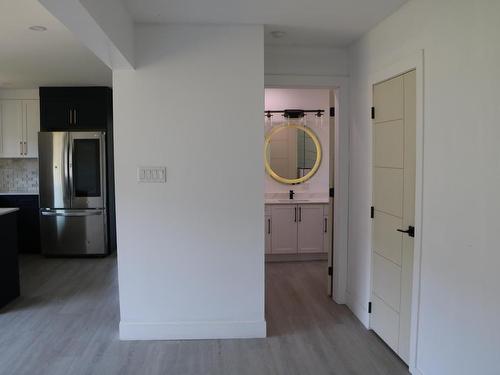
[{"x": 67, "y": 323}]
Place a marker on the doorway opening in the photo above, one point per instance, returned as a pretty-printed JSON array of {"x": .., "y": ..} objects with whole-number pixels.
[{"x": 299, "y": 159}]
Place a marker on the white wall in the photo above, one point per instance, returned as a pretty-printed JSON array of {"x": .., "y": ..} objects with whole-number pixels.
[
  {"x": 19, "y": 94},
  {"x": 280, "y": 99},
  {"x": 458, "y": 331},
  {"x": 191, "y": 251},
  {"x": 298, "y": 60}
]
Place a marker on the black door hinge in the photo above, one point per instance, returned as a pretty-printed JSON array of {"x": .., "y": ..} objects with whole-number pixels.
[
  {"x": 332, "y": 111},
  {"x": 373, "y": 113},
  {"x": 330, "y": 271},
  {"x": 369, "y": 307},
  {"x": 332, "y": 192},
  {"x": 372, "y": 212}
]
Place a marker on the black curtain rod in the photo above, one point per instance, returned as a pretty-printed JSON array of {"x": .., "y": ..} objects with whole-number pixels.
[{"x": 295, "y": 113}]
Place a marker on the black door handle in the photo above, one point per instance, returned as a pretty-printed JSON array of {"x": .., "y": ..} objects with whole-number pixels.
[{"x": 410, "y": 231}]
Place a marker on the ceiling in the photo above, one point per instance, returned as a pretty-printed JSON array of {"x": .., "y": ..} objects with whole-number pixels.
[
  {"x": 328, "y": 23},
  {"x": 29, "y": 59}
]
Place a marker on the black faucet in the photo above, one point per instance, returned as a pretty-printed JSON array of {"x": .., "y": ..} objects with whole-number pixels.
[{"x": 291, "y": 194}]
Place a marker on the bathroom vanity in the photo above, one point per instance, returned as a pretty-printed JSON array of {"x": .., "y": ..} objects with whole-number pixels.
[
  {"x": 297, "y": 228},
  {"x": 297, "y": 210}
]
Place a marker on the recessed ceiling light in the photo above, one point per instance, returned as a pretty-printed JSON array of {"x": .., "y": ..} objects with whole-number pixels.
[
  {"x": 278, "y": 34},
  {"x": 38, "y": 28}
]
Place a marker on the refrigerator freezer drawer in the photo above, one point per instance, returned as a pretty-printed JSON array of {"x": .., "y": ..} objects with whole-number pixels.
[{"x": 73, "y": 232}]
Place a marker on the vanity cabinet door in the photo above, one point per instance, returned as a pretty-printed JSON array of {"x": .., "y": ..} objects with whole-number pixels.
[
  {"x": 268, "y": 234},
  {"x": 311, "y": 228},
  {"x": 284, "y": 229}
]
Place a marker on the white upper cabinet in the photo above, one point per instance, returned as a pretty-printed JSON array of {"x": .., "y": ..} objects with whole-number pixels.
[
  {"x": 12, "y": 128},
  {"x": 19, "y": 126},
  {"x": 32, "y": 126}
]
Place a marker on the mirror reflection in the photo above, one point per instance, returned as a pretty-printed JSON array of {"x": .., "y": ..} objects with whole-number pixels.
[{"x": 292, "y": 153}]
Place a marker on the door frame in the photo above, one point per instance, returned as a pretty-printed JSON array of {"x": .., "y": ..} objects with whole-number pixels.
[
  {"x": 340, "y": 85},
  {"x": 398, "y": 67}
]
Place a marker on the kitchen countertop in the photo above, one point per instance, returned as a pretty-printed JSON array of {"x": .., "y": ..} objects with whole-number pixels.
[
  {"x": 297, "y": 201},
  {"x": 17, "y": 193},
  {"x": 5, "y": 211}
]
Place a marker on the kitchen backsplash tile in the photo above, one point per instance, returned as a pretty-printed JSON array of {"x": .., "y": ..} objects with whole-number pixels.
[{"x": 19, "y": 176}]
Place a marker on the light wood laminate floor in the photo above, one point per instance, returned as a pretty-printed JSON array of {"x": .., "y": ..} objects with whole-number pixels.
[{"x": 66, "y": 322}]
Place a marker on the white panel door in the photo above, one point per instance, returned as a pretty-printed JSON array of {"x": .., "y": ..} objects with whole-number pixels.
[
  {"x": 410, "y": 110},
  {"x": 284, "y": 229},
  {"x": 311, "y": 228},
  {"x": 12, "y": 128},
  {"x": 31, "y": 109},
  {"x": 393, "y": 199}
]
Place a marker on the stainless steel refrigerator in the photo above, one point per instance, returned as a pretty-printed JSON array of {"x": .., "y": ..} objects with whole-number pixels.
[{"x": 73, "y": 215}]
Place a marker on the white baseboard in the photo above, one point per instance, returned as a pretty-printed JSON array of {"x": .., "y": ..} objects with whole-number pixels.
[
  {"x": 192, "y": 330},
  {"x": 296, "y": 257},
  {"x": 415, "y": 371}
]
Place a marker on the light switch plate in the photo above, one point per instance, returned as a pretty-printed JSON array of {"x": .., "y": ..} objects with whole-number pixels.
[{"x": 152, "y": 174}]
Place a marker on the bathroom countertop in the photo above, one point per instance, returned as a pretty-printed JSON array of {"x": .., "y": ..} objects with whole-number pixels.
[
  {"x": 297, "y": 201},
  {"x": 5, "y": 211}
]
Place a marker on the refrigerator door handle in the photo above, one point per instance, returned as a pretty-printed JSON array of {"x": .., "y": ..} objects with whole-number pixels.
[
  {"x": 67, "y": 170},
  {"x": 72, "y": 213},
  {"x": 70, "y": 167}
]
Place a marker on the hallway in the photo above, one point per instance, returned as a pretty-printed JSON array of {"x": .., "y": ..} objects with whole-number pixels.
[{"x": 67, "y": 323}]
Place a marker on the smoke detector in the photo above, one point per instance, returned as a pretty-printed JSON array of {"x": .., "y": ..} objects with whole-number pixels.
[
  {"x": 278, "y": 34},
  {"x": 37, "y": 28}
]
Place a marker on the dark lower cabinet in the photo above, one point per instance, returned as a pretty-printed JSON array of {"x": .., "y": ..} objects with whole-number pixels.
[
  {"x": 9, "y": 267},
  {"x": 28, "y": 228}
]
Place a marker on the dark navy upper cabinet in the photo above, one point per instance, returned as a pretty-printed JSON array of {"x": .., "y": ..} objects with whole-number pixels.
[{"x": 75, "y": 108}]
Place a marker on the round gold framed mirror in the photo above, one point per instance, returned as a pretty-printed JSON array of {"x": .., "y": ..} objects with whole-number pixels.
[{"x": 292, "y": 154}]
